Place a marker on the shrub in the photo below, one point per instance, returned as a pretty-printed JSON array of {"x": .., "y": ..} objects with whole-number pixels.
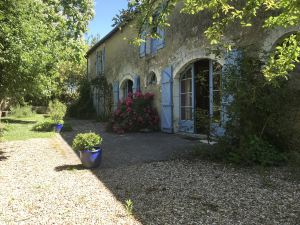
[
  {"x": 45, "y": 126},
  {"x": 67, "y": 127},
  {"x": 57, "y": 111},
  {"x": 19, "y": 111},
  {"x": 86, "y": 141},
  {"x": 134, "y": 114}
]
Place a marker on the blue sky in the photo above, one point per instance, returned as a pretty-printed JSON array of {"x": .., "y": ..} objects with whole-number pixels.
[{"x": 105, "y": 10}]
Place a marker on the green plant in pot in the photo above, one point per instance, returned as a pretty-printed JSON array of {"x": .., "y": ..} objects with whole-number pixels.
[
  {"x": 88, "y": 145},
  {"x": 57, "y": 112}
]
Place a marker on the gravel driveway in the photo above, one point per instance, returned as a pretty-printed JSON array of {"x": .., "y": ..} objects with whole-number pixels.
[
  {"x": 42, "y": 182},
  {"x": 37, "y": 188}
]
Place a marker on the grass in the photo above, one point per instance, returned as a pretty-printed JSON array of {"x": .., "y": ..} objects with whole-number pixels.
[{"x": 21, "y": 128}]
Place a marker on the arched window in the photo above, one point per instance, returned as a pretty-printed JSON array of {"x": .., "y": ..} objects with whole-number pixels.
[{"x": 151, "y": 79}]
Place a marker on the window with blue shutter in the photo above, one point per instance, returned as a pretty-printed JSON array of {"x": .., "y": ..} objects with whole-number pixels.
[
  {"x": 143, "y": 46},
  {"x": 136, "y": 84},
  {"x": 116, "y": 94},
  {"x": 97, "y": 63},
  {"x": 160, "y": 42},
  {"x": 103, "y": 60}
]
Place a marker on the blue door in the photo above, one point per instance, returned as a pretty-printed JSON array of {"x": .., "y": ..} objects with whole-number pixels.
[
  {"x": 186, "y": 122},
  {"x": 167, "y": 100}
]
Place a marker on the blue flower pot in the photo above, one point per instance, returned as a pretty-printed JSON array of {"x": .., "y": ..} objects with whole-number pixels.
[
  {"x": 91, "y": 159},
  {"x": 58, "y": 127}
]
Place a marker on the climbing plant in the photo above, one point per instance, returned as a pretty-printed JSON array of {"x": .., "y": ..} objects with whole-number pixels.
[{"x": 102, "y": 97}]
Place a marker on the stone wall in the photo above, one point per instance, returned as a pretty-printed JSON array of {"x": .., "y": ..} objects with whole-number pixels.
[{"x": 184, "y": 43}]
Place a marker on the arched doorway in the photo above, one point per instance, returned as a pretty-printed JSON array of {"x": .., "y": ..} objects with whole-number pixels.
[{"x": 200, "y": 97}]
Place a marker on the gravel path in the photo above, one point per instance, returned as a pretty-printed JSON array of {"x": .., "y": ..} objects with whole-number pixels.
[
  {"x": 36, "y": 187},
  {"x": 42, "y": 182}
]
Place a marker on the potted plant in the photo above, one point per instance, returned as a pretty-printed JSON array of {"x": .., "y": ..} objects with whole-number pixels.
[
  {"x": 88, "y": 145},
  {"x": 58, "y": 126},
  {"x": 57, "y": 112}
]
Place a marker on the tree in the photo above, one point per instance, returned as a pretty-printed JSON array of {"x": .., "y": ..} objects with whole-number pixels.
[
  {"x": 223, "y": 13},
  {"x": 35, "y": 38}
]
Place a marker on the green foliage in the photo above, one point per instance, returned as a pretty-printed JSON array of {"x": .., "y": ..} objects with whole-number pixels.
[
  {"x": 22, "y": 129},
  {"x": 129, "y": 206},
  {"x": 86, "y": 141},
  {"x": 2, "y": 128},
  {"x": 57, "y": 111},
  {"x": 35, "y": 37},
  {"x": 255, "y": 150},
  {"x": 83, "y": 107},
  {"x": 19, "y": 111},
  {"x": 260, "y": 126},
  {"x": 67, "y": 127},
  {"x": 44, "y": 126}
]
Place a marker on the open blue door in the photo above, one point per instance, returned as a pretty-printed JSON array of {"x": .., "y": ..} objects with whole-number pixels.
[
  {"x": 167, "y": 100},
  {"x": 230, "y": 70}
]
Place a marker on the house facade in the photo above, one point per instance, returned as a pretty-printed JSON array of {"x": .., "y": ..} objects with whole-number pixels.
[{"x": 179, "y": 68}]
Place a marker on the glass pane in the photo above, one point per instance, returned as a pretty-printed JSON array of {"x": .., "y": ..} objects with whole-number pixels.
[
  {"x": 217, "y": 67},
  {"x": 217, "y": 81},
  {"x": 186, "y": 85},
  {"x": 186, "y": 113},
  {"x": 217, "y": 98},
  {"x": 186, "y": 100}
]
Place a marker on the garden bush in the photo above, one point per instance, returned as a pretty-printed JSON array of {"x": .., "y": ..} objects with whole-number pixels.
[
  {"x": 86, "y": 141},
  {"x": 67, "y": 127},
  {"x": 57, "y": 111},
  {"x": 44, "y": 126},
  {"x": 83, "y": 107},
  {"x": 135, "y": 113},
  {"x": 19, "y": 111}
]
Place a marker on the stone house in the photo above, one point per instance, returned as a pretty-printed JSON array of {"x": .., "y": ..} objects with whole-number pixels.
[{"x": 178, "y": 68}]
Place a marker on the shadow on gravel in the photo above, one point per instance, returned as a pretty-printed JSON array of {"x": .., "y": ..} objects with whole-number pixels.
[
  {"x": 9, "y": 120},
  {"x": 69, "y": 167},
  {"x": 2, "y": 156}
]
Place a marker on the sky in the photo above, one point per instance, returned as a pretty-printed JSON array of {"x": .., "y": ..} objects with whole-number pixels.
[{"x": 105, "y": 10}]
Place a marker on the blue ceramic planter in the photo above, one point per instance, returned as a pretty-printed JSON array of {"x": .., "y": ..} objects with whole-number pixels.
[
  {"x": 58, "y": 127},
  {"x": 91, "y": 159}
]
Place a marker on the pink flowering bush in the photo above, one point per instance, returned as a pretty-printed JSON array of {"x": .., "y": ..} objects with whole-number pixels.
[{"x": 135, "y": 113}]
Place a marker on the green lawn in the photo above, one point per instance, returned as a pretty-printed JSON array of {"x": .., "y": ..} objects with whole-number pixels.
[{"x": 21, "y": 128}]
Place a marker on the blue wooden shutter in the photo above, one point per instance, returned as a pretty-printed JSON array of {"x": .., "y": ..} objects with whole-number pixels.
[
  {"x": 103, "y": 60},
  {"x": 143, "y": 46},
  {"x": 116, "y": 94},
  {"x": 167, "y": 100},
  {"x": 97, "y": 63},
  {"x": 160, "y": 43},
  {"x": 136, "y": 84},
  {"x": 230, "y": 67}
]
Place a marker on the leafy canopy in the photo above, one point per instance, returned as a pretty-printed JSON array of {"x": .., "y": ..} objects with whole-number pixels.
[{"x": 35, "y": 37}]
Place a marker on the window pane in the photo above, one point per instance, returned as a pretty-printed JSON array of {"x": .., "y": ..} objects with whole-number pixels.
[
  {"x": 186, "y": 100},
  {"x": 186, "y": 86},
  {"x": 186, "y": 113}
]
